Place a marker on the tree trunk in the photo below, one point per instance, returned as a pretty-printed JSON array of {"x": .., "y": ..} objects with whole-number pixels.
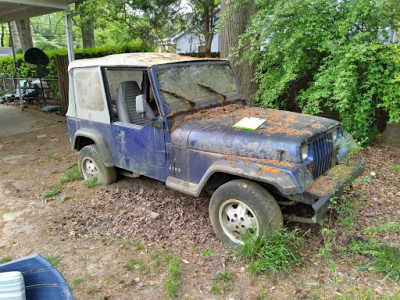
[
  {"x": 3, "y": 28},
  {"x": 87, "y": 31},
  {"x": 229, "y": 37},
  {"x": 15, "y": 37},
  {"x": 25, "y": 35},
  {"x": 87, "y": 28}
]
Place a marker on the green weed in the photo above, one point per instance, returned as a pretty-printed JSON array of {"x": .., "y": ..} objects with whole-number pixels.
[
  {"x": 131, "y": 263},
  {"x": 383, "y": 258},
  {"x": 156, "y": 257},
  {"x": 395, "y": 168},
  {"x": 56, "y": 190},
  {"x": 272, "y": 254},
  {"x": 54, "y": 260},
  {"x": 388, "y": 226},
  {"x": 347, "y": 209},
  {"x": 63, "y": 198},
  {"x": 48, "y": 158},
  {"x": 329, "y": 237},
  {"x": 90, "y": 289},
  {"x": 207, "y": 253},
  {"x": 5, "y": 259},
  {"x": 73, "y": 174},
  {"x": 139, "y": 245},
  {"x": 91, "y": 183},
  {"x": 174, "y": 273},
  {"x": 222, "y": 282}
]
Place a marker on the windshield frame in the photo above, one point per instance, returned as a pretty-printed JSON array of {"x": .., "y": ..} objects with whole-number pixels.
[{"x": 165, "y": 111}]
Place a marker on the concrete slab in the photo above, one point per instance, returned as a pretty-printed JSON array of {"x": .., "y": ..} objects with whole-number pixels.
[{"x": 14, "y": 121}]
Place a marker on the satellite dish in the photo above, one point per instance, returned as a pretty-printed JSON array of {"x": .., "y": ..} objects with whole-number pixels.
[{"x": 36, "y": 56}]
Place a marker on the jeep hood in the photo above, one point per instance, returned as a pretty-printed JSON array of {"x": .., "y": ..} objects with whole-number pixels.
[{"x": 279, "y": 138}]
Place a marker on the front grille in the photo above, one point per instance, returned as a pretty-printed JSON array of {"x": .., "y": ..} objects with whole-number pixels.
[{"x": 322, "y": 154}]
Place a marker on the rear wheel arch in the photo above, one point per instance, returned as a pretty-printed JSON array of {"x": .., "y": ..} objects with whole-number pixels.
[{"x": 85, "y": 138}]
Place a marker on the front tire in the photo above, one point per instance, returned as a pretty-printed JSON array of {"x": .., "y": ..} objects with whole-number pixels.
[
  {"x": 92, "y": 166},
  {"x": 241, "y": 206}
]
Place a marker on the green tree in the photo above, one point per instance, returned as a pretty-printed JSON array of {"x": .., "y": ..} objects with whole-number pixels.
[
  {"x": 328, "y": 54},
  {"x": 203, "y": 18}
]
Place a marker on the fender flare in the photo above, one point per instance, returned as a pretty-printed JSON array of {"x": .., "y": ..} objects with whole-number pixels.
[{"x": 99, "y": 141}]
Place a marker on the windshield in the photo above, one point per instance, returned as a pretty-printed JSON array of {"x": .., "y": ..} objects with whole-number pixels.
[{"x": 184, "y": 85}]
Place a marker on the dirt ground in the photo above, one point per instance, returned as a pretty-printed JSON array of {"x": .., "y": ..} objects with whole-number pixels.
[{"x": 108, "y": 242}]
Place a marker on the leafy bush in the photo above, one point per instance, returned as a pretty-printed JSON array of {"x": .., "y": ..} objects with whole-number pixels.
[
  {"x": 327, "y": 55},
  {"x": 7, "y": 67}
]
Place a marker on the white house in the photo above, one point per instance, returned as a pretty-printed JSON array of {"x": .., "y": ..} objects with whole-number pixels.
[{"x": 190, "y": 42}]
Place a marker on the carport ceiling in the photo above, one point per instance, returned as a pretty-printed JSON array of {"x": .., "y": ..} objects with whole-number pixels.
[{"x": 22, "y": 9}]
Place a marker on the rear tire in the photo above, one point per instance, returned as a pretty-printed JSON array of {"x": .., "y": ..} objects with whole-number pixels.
[
  {"x": 92, "y": 166},
  {"x": 241, "y": 206}
]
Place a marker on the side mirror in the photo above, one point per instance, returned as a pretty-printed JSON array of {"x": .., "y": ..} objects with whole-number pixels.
[{"x": 140, "y": 104}]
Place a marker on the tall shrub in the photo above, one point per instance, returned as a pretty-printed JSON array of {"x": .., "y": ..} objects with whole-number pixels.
[{"x": 328, "y": 53}]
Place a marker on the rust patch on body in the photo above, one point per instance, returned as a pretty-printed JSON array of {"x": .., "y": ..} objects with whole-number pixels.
[
  {"x": 277, "y": 121},
  {"x": 326, "y": 183},
  {"x": 259, "y": 160}
]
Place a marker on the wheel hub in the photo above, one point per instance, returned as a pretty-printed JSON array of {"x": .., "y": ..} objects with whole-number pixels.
[
  {"x": 236, "y": 218},
  {"x": 89, "y": 168}
]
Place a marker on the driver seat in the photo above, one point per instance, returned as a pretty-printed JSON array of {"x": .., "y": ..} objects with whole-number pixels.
[{"x": 126, "y": 103}]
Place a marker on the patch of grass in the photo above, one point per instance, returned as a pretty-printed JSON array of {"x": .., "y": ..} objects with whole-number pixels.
[
  {"x": 77, "y": 281},
  {"x": 272, "y": 254},
  {"x": 90, "y": 289},
  {"x": 395, "y": 168},
  {"x": 91, "y": 183},
  {"x": 174, "y": 273},
  {"x": 139, "y": 245},
  {"x": 222, "y": 282},
  {"x": 63, "y": 198},
  {"x": 54, "y": 260},
  {"x": 5, "y": 259},
  {"x": 56, "y": 190},
  {"x": 156, "y": 257},
  {"x": 73, "y": 174},
  {"x": 131, "y": 263},
  {"x": 207, "y": 253},
  {"x": 144, "y": 269},
  {"x": 48, "y": 158},
  {"x": 383, "y": 226},
  {"x": 383, "y": 258},
  {"x": 329, "y": 237},
  {"x": 347, "y": 209},
  {"x": 314, "y": 292}
]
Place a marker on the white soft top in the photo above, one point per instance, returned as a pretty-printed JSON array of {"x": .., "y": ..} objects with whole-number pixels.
[{"x": 133, "y": 59}]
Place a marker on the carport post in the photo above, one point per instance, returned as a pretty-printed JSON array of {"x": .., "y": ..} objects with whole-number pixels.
[
  {"x": 68, "y": 31},
  {"x": 21, "y": 101}
]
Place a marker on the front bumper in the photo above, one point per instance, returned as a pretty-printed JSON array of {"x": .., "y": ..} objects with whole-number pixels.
[{"x": 328, "y": 186}]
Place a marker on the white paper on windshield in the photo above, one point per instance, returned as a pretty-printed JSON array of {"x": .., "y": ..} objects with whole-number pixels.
[{"x": 249, "y": 123}]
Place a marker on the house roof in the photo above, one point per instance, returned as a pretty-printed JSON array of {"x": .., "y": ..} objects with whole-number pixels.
[
  {"x": 5, "y": 51},
  {"x": 134, "y": 59}
]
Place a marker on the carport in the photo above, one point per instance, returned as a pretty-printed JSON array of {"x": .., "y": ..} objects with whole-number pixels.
[{"x": 22, "y": 9}]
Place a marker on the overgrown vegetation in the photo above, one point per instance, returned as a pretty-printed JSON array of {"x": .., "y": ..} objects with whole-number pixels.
[
  {"x": 173, "y": 275},
  {"x": 72, "y": 174},
  {"x": 5, "y": 259},
  {"x": 383, "y": 258},
  {"x": 336, "y": 55},
  {"x": 222, "y": 282},
  {"x": 272, "y": 254},
  {"x": 91, "y": 183}
]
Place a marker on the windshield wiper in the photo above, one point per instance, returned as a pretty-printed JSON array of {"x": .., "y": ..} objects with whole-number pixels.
[
  {"x": 211, "y": 89},
  {"x": 175, "y": 94}
]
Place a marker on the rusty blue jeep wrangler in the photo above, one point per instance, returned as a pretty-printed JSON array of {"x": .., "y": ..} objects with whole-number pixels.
[{"x": 183, "y": 121}]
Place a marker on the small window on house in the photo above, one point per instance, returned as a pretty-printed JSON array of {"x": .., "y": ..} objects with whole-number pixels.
[{"x": 88, "y": 89}]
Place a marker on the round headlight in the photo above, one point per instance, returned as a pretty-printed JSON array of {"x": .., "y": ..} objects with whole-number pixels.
[
  {"x": 334, "y": 135},
  {"x": 304, "y": 152}
]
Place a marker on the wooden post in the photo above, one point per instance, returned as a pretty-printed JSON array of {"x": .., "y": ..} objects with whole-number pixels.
[{"x": 21, "y": 100}]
